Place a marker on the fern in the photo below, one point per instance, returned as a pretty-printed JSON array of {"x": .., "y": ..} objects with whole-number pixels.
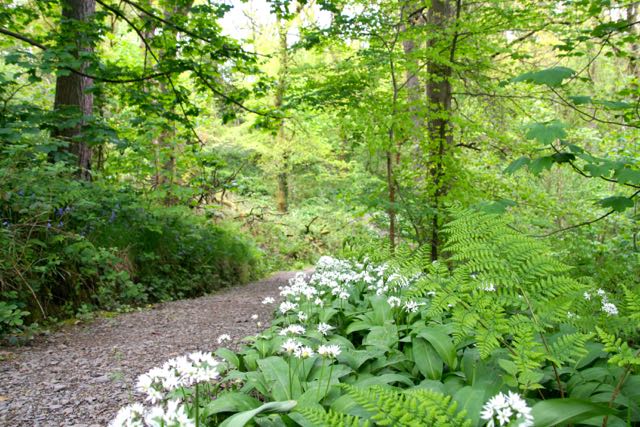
[
  {"x": 411, "y": 408},
  {"x": 318, "y": 417},
  {"x": 622, "y": 354}
]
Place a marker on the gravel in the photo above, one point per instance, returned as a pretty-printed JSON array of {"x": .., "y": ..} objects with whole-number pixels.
[{"x": 81, "y": 375}]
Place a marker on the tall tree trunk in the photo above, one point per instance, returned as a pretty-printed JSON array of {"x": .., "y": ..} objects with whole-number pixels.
[
  {"x": 634, "y": 58},
  {"x": 72, "y": 95},
  {"x": 282, "y": 192},
  {"x": 439, "y": 104}
]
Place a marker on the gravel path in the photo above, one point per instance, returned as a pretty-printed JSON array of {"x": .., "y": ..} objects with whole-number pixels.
[{"x": 82, "y": 375}]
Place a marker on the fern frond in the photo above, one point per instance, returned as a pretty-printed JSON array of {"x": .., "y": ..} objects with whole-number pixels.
[
  {"x": 318, "y": 417},
  {"x": 410, "y": 409}
]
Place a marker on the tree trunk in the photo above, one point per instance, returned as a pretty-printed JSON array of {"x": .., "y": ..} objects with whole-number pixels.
[
  {"x": 282, "y": 192},
  {"x": 72, "y": 96},
  {"x": 439, "y": 110},
  {"x": 634, "y": 58}
]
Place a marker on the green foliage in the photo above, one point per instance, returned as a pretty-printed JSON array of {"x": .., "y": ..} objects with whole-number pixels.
[{"x": 68, "y": 244}]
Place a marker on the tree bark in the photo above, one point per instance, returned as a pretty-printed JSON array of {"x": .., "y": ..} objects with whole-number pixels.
[
  {"x": 439, "y": 110},
  {"x": 282, "y": 192},
  {"x": 72, "y": 95}
]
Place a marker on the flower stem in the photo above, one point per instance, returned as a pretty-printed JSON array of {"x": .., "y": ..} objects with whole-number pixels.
[
  {"x": 328, "y": 380},
  {"x": 320, "y": 379},
  {"x": 197, "y": 406}
]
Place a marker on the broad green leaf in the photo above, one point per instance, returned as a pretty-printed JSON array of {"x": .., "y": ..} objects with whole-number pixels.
[
  {"x": 471, "y": 399},
  {"x": 231, "y": 402},
  {"x": 443, "y": 344},
  {"x": 427, "y": 360},
  {"x": 627, "y": 175},
  {"x": 229, "y": 356},
  {"x": 560, "y": 411},
  {"x": 384, "y": 379},
  {"x": 276, "y": 373},
  {"x": 553, "y": 76},
  {"x": 540, "y": 164},
  {"x": 617, "y": 203},
  {"x": 581, "y": 99},
  {"x": 546, "y": 133},
  {"x": 517, "y": 165},
  {"x": 384, "y": 337},
  {"x": 241, "y": 419},
  {"x": 563, "y": 157}
]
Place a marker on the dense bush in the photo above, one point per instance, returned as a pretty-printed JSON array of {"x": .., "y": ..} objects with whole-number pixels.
[{"x": 68, "y": 245}]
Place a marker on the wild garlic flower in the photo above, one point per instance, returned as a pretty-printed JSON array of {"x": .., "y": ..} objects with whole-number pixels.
[
  {"x": 318, "y": 302},
  {"x": 587, "y": 296},
  {"x": 175, "y": 415},
  {"x": 343, "y": 295},
  {"x": 223, "y": 338},
  {"x": 411, "y": 306},
  {"x": 488, "y": 287},
  {"x": 506, "y": 409},
  {"x": 329, "y": 351},
  {"x": 304, "y": 352},
  {"x": 609, "y": 308},
  {"x": 290, "y": 346},
  {"x": 293, "y": 329},
  {"x": 129, "y": 416},
  {"x": 287, "y": 306},
  {"x": 302, "y": 316},
  {"x": 324, "y": 328},
  {"x": 268, "y": 300},
  {"x": 394, "y": 301}
]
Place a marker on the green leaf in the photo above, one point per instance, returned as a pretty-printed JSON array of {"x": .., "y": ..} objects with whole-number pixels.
[
  {"x": 546, "y": 133},
  {"x": 384, "y": 380},
  {"x": 540, "y": 164},
  {"x": 563, "y": 157},
  {"x": 552, "y": 77},
  {"x": 443, "y": 344},
  {"x": 581, "y": 100},
  {"x": 241, "y": 419},
  {"x": 626, "y": 175},
  {"x": 229, "y": 356},
  {"x": 427, "y": 360},
  {"x": 617, "y": 203},
  {"x": 517, "y": 165},
  {"x": 231, "y": 402},
  {"x": 561, "y": 411},
  {"x": 276, "y": 373}
]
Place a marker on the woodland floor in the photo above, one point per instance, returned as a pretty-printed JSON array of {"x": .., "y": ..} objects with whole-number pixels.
[{"x": 81, "y": 375}]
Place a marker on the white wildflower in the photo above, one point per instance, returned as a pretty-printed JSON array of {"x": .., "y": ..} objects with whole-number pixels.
[
  {"x": 290, "y": 346},
  {"x": 324, "y": 328},
  {"x": 268, "y": 300},
  {"x": 609, "y": 308},
  {"x": 329, "y": 350},
  {"x": 431, "y": 293},
  {"x": 304, "y": 352},
  {"x": 287, "y": 306},
  {"x": 488, "y": 287},
  {"x": 587, "y": 296},
  {"x": 507, "y": 408},
  {"x": 302, "y": 316},
  {"x": 394, "y": 301},
  {"x": 174, "y": 415},
  {"x": 601, "y": 292},
  {"x": 343, "y": 295},
  {"x": 293, "y": 329},
  {"x": 411, "y": 306},
  {"x": 129, "y": 416},
  {"x": 318, "y": 302},
  {"x": 223, "y": 338}
]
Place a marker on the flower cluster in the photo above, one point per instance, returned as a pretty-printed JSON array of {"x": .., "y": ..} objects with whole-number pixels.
[
  {"x": 136, "y": 415},
  {"x": 606, "y": 306},
  {"x": 183, "y": 371},
  {"x": 507, "y": 408},
  {"x": 297, "y": 349}
]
